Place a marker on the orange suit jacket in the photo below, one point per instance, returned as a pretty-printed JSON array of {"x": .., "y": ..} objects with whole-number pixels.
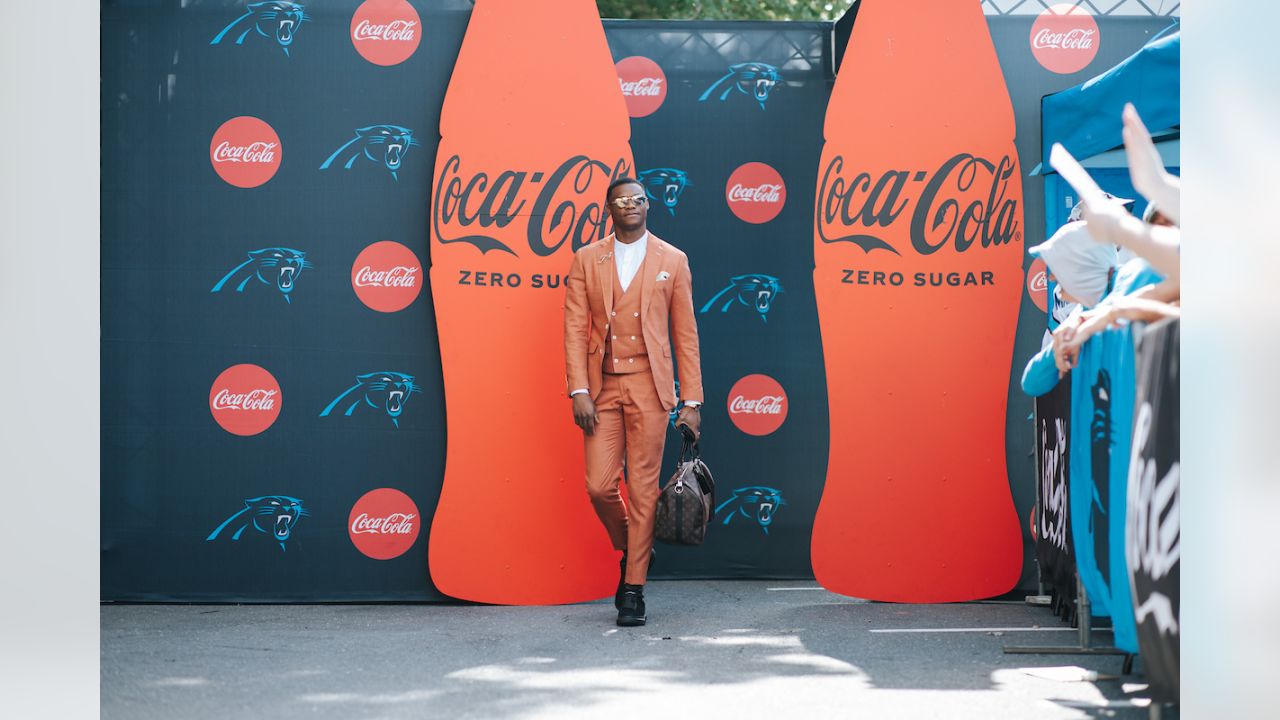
[{"x": 665, "y": 302}]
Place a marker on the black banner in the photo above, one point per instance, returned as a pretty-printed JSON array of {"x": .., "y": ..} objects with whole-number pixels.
[
  {"x": 1153, "y": 531},
  {"x": 1053, "y": 519}
]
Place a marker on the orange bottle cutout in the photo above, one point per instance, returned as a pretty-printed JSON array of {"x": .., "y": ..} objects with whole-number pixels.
[
  {"x": 533, "y": 129},
  {"x": 917, "y": 271}
]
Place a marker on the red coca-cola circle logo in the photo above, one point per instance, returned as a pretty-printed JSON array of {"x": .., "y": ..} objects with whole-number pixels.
[
  {"x": 384, "y": 523},
  {"x": 757, "y": 405},
  {"x": 1038, "y": 284},
  {"x": 755, "y": 192},
  {"x": 644, "y": 85},
  {"x": 1065, "y": 38},
  {"x": 386, "y": 32},
  {"x": 245, "y": 151},
  {"x": 387, "y": 276},
  {"x": 245, "y": 399}
]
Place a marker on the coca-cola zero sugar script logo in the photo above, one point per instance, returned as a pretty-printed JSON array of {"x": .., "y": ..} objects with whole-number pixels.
[
  {"x": 245, "y": 399},
  {"x": 757, "y": 405},
  {"x": 755, "y": 193},
  {"x": 245, "y": 152},
  {"x": 384, "y": 523},
  {"x": 1065, "y": 38},
  {"x": 565, "y": 204},
  {"x": 962, "y": 202},
  {"x": 1038, "y": 284},
  {"x": 387, "y": 276},
  {"x": 644, "y": 85},
  {"x": 386, "y": 32}
]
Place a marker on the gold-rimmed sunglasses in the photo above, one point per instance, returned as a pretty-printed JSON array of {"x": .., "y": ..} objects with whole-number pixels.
[{"x": 628, "y": 201}]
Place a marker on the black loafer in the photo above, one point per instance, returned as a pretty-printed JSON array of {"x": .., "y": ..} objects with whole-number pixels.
[
  {"x": 631, "y": 614},
  {"x": 622, "y": 576}
]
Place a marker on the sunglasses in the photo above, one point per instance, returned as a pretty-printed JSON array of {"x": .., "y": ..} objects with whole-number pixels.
[{"x": 628, "y": 201}]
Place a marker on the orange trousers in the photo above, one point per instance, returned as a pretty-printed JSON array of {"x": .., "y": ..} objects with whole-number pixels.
[{"x": 633, "y": 425}]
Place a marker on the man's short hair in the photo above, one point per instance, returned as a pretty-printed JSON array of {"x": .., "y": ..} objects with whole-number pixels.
[{"x": 624, "y": 180}]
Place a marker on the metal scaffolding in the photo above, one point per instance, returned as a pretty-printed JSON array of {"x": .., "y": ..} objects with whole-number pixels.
[{"x": 1153, "y": 8}]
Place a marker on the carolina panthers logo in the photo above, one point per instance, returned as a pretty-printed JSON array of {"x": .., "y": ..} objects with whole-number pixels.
[
  {"x": 277, "y": 266},
  {"x": 276, "y": 19},
  {"x": 664, "y": 185},
  {"x": 273, "y": 515},
  {"x": 387, "y": 391},
  {"x": 750, "y": 78},
  {"x": 753, "y": 291},
  {"x": 381, "y": 144},
  {"x": 756, "y": 503}
]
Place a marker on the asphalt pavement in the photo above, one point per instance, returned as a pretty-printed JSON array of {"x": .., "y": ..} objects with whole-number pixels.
[{"x": 711, "y": 649}]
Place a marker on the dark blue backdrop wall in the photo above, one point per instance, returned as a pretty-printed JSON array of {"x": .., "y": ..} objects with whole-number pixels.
[{"x": 200, "y": 276}]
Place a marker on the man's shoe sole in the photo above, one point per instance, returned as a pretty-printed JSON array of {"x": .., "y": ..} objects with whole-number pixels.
[{"x": 631, "y": 622}]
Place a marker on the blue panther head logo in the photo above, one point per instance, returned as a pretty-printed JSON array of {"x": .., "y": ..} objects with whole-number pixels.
[
  {"x": 754, "y": 291},
  {"x": 273, "y": 19},
  {"x": 664, "y": 185},
  {"x": 273, "y": 515},
  {"x": 276, "y": 266},
  {"x": 382, "y": 144},
  {"x": 757, "y": 503},
  {"x": 755, "y": 79},
  {"x": 387, "y": 391}
]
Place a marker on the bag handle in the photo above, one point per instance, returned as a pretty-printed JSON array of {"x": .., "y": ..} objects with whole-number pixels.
[{"x": 688, "y": 445}]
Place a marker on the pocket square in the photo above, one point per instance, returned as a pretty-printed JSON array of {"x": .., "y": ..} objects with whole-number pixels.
[{"x": 663, "y": 276}]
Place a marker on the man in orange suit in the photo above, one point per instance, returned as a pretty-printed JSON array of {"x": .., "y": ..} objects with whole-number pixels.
[{"x": 622, "y": 295}]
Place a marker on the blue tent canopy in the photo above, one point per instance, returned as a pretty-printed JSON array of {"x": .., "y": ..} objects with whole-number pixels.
[{"x": 1086, "y": 118}]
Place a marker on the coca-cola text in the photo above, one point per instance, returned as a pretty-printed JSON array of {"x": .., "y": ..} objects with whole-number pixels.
[
  {"x": 255, "y": 152},
  {"x": 392, "y": 524},
  {"x": 399, "y": 276},
  {"x": 559, "y": 207},
  {"x": 863, "y": 202},
  {"x": 767, "y": 192},
  {"x": 262, "y": 400},
  {"x": 644, "y": 87},
  {"x": 1075, "y": 39},
  {"x": 396, "y": 30},
  {"x": 1039, "y": 283},
  {"x": 765, "y": 405}
]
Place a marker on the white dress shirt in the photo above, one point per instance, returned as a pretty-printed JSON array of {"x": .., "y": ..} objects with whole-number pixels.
[{"x": 629, "y": 257}]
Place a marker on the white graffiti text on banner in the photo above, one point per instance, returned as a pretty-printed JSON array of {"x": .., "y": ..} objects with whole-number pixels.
[
  {"x": 1053, "y": 486},
  {"x": 1154, "y": 531}
]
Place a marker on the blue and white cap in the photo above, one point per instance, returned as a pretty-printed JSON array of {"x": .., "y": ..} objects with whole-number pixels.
[{"x": 1080, "y": 264}]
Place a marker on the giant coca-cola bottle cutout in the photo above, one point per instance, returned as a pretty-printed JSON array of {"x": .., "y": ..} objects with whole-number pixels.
[
  {"x": 533, "y": 129},
  {"x": 917, "y": 271}
]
